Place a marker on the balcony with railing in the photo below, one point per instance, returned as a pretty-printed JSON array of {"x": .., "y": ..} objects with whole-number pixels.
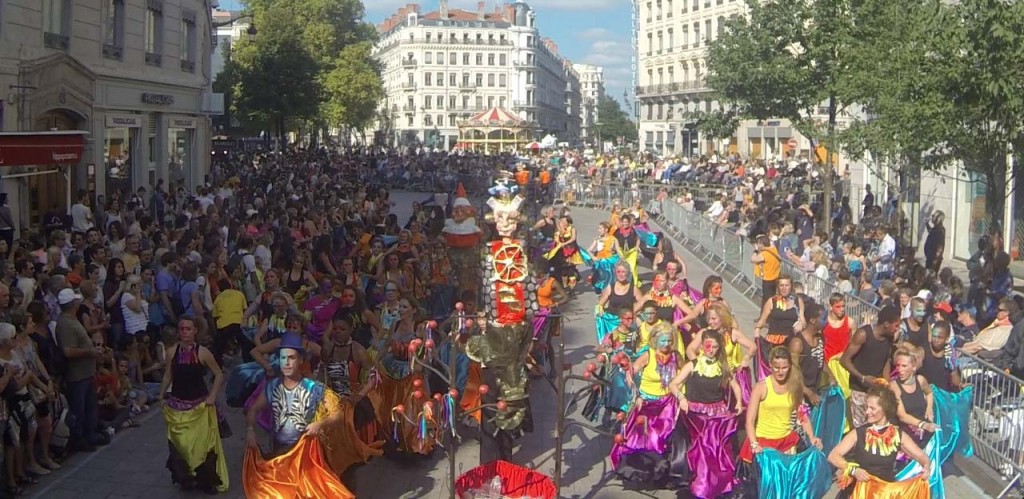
[
  {"x": 409, "y": 108},
  {"x": 663, "y": 89},
  {"x": 409, "y": 86},
  {"x": 408, "y": 63},
  {"x": 467, "y": 86}
]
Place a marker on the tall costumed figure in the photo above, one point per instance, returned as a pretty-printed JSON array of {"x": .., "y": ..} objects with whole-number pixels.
[{"x": 504, "y": 344}]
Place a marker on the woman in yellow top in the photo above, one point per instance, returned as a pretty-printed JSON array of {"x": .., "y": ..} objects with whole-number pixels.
[
  {"x": 739, "y": 349},
  {"x": 651, "y": 451},
  {"x": 773, "y": 403}
]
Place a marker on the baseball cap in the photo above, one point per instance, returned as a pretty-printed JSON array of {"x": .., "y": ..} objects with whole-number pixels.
[
  {"x": 67, "y": 295},
  {"x": 924, "y": 294}
]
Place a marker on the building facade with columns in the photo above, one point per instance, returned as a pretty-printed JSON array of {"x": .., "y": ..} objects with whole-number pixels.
[
  {"x": 442, "y": 67},
  {"x": 133, "y": 75},
  {"x": 592, "y": 91}
]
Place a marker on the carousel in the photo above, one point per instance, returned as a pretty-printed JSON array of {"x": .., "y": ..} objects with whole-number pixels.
[{"x": 494, "y": 131}]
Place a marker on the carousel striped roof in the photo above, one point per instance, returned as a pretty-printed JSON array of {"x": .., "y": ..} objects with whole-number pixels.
[{"x": 497, "y": 116}]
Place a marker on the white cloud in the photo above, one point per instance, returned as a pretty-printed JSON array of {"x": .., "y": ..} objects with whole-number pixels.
[{"x": 594, "y": 34}]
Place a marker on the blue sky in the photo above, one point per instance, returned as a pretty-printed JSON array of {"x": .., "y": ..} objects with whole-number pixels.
[{"x": 590, "y": 31}]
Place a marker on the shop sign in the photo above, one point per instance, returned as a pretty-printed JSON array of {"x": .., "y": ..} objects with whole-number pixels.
[
  {"x": 182, "y": 123},
  {"x": 157, "y": 99},
  {"x": 42, "y": 148},
  {"x": 124, "y": 121}
]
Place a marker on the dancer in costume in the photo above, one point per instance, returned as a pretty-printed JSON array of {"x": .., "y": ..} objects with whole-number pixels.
[
  {"x": 623, "y": 293},
  {"x": 782, "y": 316},
  {"x": 606, "y": 253},
  {"x": 808, "y": 349},
  {"x": 295, "y": 326},
  {"x": 915, "y": 406},
  {"x": 652, "y": 450},
  {"x": 670, "y": 308},
  {"x": 345, "y": 366},
  {"x": 197, "y": 457},
  {"x": 302, "y": 410},
  {"x": 620, "y": 347},
  {"x": 836, "y": 337},
  {"x": 675, "y": 272},
  {"x": 774, "y": 404},
  {"x": 867, "y": 359},
  {"x": 550, "y": 296},
  {"x": 364, "y": 321},
  {"x": 739, "y": 350},
  {"x": 705, "y": 387},
  {"x": 865, "y": 459},
  {"x": 939, "y": 367},
  {"x": 401, "y": 380},
  {"x": 629, "y": 242},
  {"x": 712, "y": 292},
  {"x": 565, "y": 255}
]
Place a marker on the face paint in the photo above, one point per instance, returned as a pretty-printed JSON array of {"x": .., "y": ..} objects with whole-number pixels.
[
  {"x": 664, "y": 341},
  {"x": 710, "y": 347}
]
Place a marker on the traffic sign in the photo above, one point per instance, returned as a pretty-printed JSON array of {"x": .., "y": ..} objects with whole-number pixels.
[{"x": 792, "y": 143}]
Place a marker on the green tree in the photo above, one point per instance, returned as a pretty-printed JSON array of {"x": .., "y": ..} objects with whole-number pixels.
[
  {"x": 613, "y": 121},
  {"x": 275, "y": 78},
  {"x": 783, "y": 61},
  {"x": 353, "y": 87}
]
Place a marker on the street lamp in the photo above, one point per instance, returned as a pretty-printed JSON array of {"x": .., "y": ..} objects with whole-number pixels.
[{"x": 250, "y": 32}]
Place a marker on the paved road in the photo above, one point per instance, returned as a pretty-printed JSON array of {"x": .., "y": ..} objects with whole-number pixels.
[{"x": 133, "y": 465}]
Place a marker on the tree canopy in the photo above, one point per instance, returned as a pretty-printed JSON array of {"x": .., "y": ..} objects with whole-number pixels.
[
  {"x": 309, "y": 63},
  {"x": 938, "y": 81},
  {"x": 613, "y": 121}
]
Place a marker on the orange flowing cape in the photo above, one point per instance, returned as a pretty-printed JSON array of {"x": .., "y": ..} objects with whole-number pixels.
[
  {"x": 874, "y": 488},
  {"x": 302, "y": 472}
]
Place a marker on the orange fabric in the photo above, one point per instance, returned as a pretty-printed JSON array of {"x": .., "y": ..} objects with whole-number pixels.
[
  {"x": 471, "y": 395},
  {"x": 785, "y": 445},
  {"x": 522, "y": 177},
  {"x": 545, "y": 177},
  {"x": 875, "y": 488},
  {"x": 302, "y": 473},
  {"x": 395, "y": 392},
  {"x": 345, "y": 446}
]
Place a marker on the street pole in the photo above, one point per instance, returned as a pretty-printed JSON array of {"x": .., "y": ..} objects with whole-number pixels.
[{"x": 826, "y": 216}]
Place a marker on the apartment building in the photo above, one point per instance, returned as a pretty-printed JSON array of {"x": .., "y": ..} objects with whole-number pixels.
[
  {"x": 592, "y": 90},
  {"x": 442, "y": 67},
  {"x": 114, "y": 93}
]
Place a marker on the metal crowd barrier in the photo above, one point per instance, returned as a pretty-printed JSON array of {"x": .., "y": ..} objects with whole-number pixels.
[{"x": 997, "y": 418}]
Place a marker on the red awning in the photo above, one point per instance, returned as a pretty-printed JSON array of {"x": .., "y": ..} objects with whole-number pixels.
[{"x": 41, "y": 148}]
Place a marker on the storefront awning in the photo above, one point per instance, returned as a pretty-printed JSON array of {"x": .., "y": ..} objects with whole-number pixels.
[{"x": 41, "y": 148}]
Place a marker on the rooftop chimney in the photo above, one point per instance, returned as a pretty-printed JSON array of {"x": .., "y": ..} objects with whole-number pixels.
[
  {"x": 413, "y": 7},
  {"x": 480, "y": 6},
  {"x": 442, "y": 11}
]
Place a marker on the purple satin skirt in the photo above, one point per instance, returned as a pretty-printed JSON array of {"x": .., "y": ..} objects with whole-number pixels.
[
  {"x": 653, "y": 453},
  {"x": 746, "y": 384},
  {"x": 711, "y": 458}
]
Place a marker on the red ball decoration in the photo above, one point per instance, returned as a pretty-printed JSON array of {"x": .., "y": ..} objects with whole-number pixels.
[
  {"x": 412, "y": 349},
  {"x": 400, "y": 409},
  {"x": 502, "y": 405},
  {"x": 483, "y": 389},
  {"x": 587, "y": 374},
  {"x": 641, "y": 419},
  {"x": 431, "y": 324},
  {"x": 618, "y": 438},
  {"x": 602, "y": 358},
  {"x": 429, "y": 344},
  {"x": 417, "y": 383},
  {"x": 459, "y": 306},
  {"x": 591, "y": 367},
  {"x": 428, "y": 405},
  {"x": 437, "y": 397},
  {"x": 470, "y": 323},
  {"x": 620, "y": 416},
  {"x": 454, "y": 393},
  {"x": 418, "y": 394}
]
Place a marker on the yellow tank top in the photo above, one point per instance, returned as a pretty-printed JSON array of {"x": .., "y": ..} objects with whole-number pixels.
[
  {"x": 645, "y": 338},
  {"x": 650, "y": 378},
  {"x": 773, "y": 415},
  {"x": 733, "y": 352}
]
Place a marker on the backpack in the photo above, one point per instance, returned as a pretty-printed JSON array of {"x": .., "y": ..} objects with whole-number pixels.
[
  {"x": 61, "y": 424},
  {"x": 58, "y": 359}
]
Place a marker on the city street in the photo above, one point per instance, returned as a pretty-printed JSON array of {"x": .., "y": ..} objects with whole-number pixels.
[{"x": 133, "y": 465}]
